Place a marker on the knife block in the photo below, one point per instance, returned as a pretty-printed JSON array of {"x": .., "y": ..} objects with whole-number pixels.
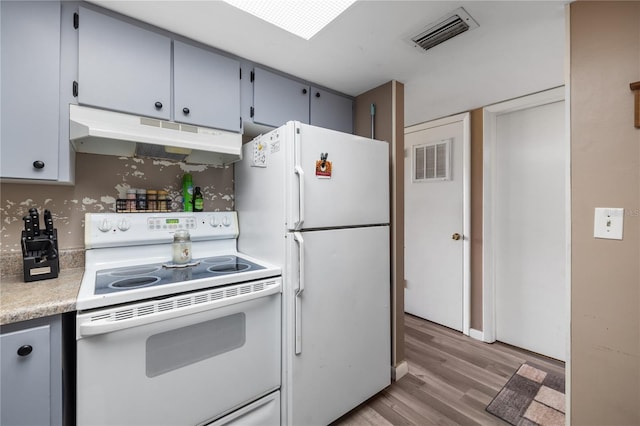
[{"x": 40, "y": 257}]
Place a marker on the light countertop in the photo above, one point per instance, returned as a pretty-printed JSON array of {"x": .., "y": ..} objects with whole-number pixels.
[{"x": 21, "y": 301}]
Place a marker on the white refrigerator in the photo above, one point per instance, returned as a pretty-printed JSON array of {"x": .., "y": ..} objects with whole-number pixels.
[{"x": 316, "y": 202}]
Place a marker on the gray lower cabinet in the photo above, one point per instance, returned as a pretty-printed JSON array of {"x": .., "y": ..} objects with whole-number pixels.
[
  {"x": 331, "y": 111},
  {"x": 206, "y": 88},
  {"x": 123, "y": 67},
  {"x": 278, "y": 99},
  {"x": 30, "y": 89},
  {"x": 31, "y": 373}
]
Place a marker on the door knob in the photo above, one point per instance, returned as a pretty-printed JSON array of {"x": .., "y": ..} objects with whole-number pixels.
[{"x": 456, "y": 236}]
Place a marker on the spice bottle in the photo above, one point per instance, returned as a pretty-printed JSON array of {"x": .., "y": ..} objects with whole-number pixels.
[
  {"x": 152, "y": 200},
  {"x": 198, "y": 200},
  {"x": 141, "y": 199},
  {"x": 187, "y": 192},
  {"x": 131, "y": 200},
  {"x": 162, "y": 201},
  {"x": 181, "y": 246}
]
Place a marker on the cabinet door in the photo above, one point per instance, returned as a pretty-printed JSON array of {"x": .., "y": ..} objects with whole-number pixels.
[
  {"x": 331, "y": 111},
  {"x": 277, "y": 99},
  {"x": 206, "y": 88},
  {"x": 123, "y": 67},
  {"x": 25, "y": 377},
  {"x": 30, "y": 33}
]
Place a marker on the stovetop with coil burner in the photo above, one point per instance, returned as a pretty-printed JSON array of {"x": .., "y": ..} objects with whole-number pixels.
[{"x": 134, "y": 277}]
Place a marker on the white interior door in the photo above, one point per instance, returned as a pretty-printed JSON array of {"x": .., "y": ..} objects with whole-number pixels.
[
  {"x": 529, "y": 229},
  {"x": 437, "y": 221}
]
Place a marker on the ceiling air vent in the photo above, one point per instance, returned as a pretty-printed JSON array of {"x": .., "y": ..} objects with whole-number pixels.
[{"x": 448, "y": 26}]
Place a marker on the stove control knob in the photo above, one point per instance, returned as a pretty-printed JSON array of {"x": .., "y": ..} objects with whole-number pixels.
[
  {"x": 214, "y": 222},
  {"x": 226, "y": 221},
  {"x": 104, "y": 226},
  {"x": 124, "y": 225}
]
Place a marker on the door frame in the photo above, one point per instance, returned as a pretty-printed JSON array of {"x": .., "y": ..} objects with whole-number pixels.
[
  {"x": 489, "y": 148},
  {"x": 466, "y": 203}
]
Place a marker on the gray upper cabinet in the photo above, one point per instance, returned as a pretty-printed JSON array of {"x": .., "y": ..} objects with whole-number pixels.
[
  {"x": 277, "y": 99},
  {"x": 123, "y": 67},
  {"x": 206, "y": 88},
  {"x": 331, "y": 111},
  {"x": 30, "y": 89}
]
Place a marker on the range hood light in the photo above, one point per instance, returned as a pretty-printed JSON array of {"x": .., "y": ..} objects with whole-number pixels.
[{"x": 176, "y": 150}]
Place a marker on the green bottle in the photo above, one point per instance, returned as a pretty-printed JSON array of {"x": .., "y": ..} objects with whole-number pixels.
[
  {"x": 187, "y": 192},
  {"x": 198, "y": 200}
]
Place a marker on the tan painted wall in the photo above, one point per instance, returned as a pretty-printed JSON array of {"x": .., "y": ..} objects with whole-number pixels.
[
  {"x": 389, "y": 126},
  {"x": 605, "y": 172},
  {"x": 100, "y": 179},
  {"x": 476, "y": 217}
]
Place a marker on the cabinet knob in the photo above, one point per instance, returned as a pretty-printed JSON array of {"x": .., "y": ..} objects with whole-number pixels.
[
  {"x": 158, "y": 105},
  {"x": 317, "y": 94},
  {"x": 185, "y": 110},
  {"x": 304, "y": 91},
  {"x": 25, "y": 350},
  {"x": 38, "y": 164}
]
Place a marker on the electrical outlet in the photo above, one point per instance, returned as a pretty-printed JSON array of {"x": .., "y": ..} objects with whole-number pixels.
[{"x": 608, "y": 223}]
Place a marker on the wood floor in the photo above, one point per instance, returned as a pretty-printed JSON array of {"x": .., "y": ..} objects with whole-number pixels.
[{"x": 451, "y": 379}]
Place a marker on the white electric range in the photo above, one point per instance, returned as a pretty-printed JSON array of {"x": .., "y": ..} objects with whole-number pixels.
[{"x": 160, "y": 343}]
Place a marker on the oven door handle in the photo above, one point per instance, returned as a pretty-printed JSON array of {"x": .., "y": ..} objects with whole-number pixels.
[{"x": 102, "y": 322}]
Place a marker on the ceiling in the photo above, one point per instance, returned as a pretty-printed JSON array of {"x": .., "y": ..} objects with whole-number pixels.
[{"x": 517, "y": 49}]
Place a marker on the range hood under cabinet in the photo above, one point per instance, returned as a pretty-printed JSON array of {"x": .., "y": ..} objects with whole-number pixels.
[{"x": 97, "y": 131}]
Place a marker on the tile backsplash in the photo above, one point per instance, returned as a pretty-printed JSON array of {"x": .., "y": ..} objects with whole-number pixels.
[{"x": 100, "y": 180}]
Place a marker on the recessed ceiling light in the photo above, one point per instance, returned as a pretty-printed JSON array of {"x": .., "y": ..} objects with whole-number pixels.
[{"x": 304, "y": 18}]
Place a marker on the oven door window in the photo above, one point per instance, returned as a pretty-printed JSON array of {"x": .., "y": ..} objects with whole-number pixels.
[{"x": 183, "y": 346}]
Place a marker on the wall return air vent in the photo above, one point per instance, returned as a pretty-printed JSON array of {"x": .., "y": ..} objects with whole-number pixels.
[{"x": 449, "y": 26}]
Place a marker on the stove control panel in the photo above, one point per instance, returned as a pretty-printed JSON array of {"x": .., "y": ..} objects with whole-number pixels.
[
  {"x": 171, "y": 223},
  {"x": 123, "y": 229}
]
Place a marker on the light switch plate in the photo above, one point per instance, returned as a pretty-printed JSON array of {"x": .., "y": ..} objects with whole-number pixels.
[{"x": 608, "y": 223}]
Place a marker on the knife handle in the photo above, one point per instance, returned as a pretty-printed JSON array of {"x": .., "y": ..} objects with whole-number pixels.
[
  {"x": 35, "y": 221},
  {"x": 28, "y": 227},
  {"x": 48, "y": 224}
]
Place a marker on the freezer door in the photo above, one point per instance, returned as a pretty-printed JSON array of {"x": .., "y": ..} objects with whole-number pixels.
[
  {"x": 336, "y": 179},
  {"x": 337, "y": 322}
]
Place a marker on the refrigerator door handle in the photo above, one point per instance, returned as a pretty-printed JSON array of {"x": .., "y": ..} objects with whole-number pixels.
[
  {"x": 298, "y": 301},
  {"x": 298, "y": 237},
  {"x": 300, "y": 174}
]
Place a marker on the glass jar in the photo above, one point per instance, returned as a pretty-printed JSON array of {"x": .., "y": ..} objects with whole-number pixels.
[{"x": 181, "y": 246}]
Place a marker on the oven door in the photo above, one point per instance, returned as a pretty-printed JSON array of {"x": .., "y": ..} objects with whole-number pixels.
[{"x": 184, "y": 360}]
